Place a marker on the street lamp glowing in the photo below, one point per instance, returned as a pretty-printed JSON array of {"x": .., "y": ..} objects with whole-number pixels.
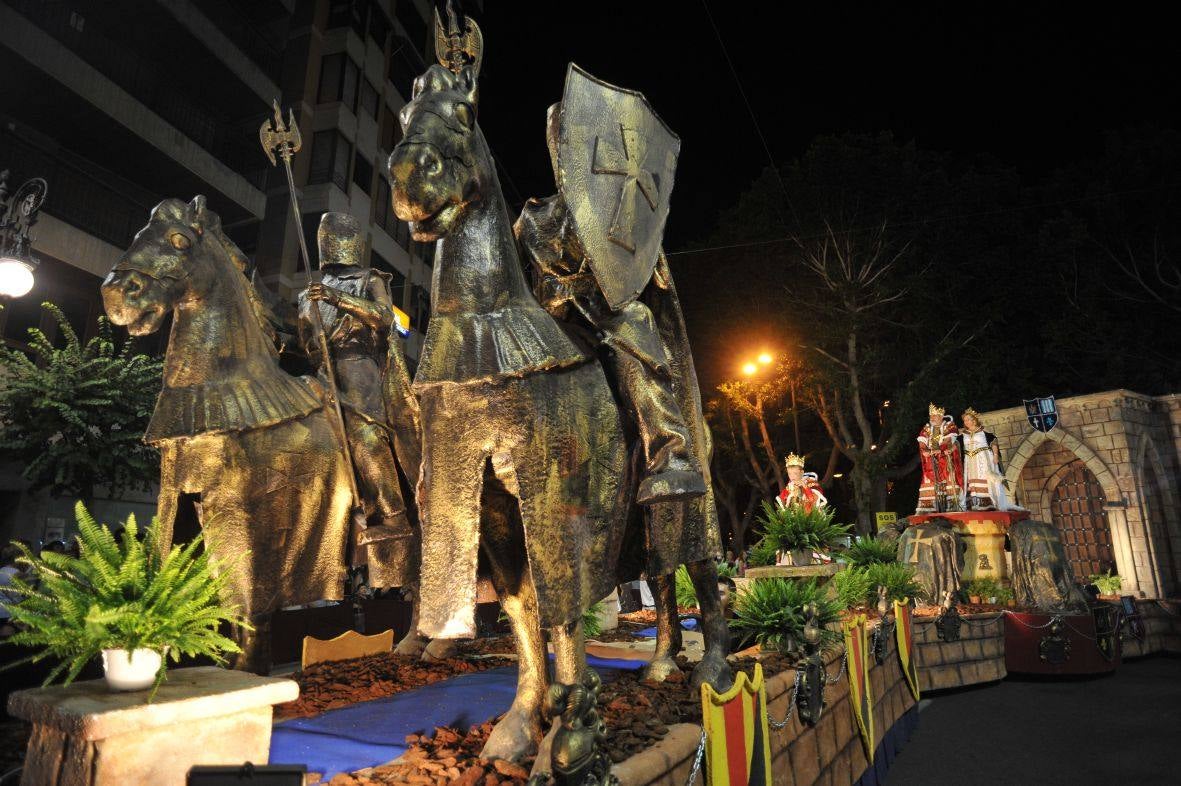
[
  {"x": 765, "y": 359},
  {"x": 16, "y": 277},
  {"x": 750, "y": 369}
]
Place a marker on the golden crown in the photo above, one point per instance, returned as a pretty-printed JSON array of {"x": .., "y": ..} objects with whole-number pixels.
[
  {"x": 793, "y": 460},
  {"x": 970, "y": 413},
  {"x": 934, "y": 410}
]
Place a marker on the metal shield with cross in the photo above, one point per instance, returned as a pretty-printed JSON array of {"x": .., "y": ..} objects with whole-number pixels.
[
  {"x": 1042, "y": 413},
  {"x": 616, "y": 161}
]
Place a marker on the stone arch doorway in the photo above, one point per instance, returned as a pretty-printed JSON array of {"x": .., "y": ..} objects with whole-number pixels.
[
  {"x": 1076, "y": 510},
  {"x": 1158, "y": 529}
]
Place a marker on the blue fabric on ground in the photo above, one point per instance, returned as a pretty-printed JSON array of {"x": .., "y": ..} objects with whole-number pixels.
[
  {"x": 688, "y": 623},
  {"x": 374, "y": 732}
]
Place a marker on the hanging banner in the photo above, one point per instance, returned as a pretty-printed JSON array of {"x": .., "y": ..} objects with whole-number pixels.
[
  {"x": 904, "y": 633},
  {"x": 860, "y": 694},
  {"x": 737, "y": 737}
]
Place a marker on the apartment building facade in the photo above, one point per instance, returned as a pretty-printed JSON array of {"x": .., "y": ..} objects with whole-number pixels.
[{"x": 121, "y": 103}]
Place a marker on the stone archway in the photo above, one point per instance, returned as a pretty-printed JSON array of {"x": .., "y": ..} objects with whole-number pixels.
[
  {"x": 1158, "y": 516},
  {"x": 1115, "y": 506}
]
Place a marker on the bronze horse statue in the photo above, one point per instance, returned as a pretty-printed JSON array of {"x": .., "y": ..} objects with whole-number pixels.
[
  {"x": 247, "y": 450},
  {"x": 525, "y": 463}
]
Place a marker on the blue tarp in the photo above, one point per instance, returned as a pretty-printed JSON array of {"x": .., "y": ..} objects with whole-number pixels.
[
  {"x": 689, "y": 623},
  {"x": 374, "y": 732}
]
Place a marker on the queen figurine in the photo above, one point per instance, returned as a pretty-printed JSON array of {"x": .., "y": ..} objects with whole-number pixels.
[
  {"x": 983, "y": 480},
  {"x": 803, "y": 488}
]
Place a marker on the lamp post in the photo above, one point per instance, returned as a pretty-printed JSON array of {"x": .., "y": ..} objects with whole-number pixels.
[
  {"x": 18, "y": 214},
  {"x": 765, "y": 359}
]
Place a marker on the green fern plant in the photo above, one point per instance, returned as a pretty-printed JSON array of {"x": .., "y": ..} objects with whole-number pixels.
[
  {"x": 984, "y": 588},
  {"x": 1108, "y": 583},
  {"x": 120, "y": 594},
  {"x": 852, "y": 587},
  {"x": 761, "y": 554},
  {"x": 771, "y": 612},
  {"x": 686, "y": 592},
  {"x": 868, "y": 551},
  {"x": 898, "y": 579},
  {"x": 73, "y": 417},
  {"x": 591, "y": 620},
  {"x": 793, "y": 528},
  {"x": 726, "y": 570}
]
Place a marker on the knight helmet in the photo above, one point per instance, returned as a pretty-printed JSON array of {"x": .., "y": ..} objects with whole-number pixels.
[{"x": 340, "y": 240}]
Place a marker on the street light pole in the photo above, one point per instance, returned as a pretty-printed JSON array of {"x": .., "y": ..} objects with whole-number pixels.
[{"x": 18, "y": 213}]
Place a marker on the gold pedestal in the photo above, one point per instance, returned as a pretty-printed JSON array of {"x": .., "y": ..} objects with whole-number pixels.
[{"x": 983, "y": 532}]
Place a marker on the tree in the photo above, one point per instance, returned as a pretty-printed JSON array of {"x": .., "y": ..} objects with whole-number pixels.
[{"x": 74, "y": 417}]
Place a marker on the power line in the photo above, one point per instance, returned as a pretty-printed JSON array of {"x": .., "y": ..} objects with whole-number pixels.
[
  {"x": 922, "y": 221},
  {"x": 750, "y": 110}
]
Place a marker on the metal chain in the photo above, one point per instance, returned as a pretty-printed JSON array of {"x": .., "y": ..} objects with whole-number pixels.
[
  {"x": 982, "y": 623},
  {"x": 1038, "y": 627},
  {"x": 840, "y": 673},
  {"x": 1166, "y": 609},
  {"x": 697, "y": 759},
  {"x": 791, "y": 704}
]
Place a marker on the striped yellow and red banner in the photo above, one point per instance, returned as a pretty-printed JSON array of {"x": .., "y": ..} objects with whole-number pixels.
[
  {"x": 857, "y": 663},
  {"x": 737, "y": 738},
  {"x": 904, "y": 633}
]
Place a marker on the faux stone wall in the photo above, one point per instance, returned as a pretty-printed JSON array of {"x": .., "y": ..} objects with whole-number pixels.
[
  {"x": 1162, "y": 630},
  {"x": 978, "y": 656},
  {"x": 1131, "y": 443},
  {"x": 830, "y": 753}
]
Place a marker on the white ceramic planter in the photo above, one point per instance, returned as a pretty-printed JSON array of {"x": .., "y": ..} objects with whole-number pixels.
[{"x": 134, "y": 670}]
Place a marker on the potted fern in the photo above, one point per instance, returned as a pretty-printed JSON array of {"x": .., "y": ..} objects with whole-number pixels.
[
  {"x": 801, "y": 532},
  {"x": 124, "y": 600},
  {"x": 1109, "y": 584}
]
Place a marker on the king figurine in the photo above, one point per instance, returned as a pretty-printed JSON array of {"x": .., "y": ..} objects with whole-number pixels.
[
  {"x": 943, "y": 468},
  {"x": 803, "y": 488}
]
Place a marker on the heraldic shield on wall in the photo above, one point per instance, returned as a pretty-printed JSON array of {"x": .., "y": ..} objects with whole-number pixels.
[
  {"x": 616, "y": 160},
  {"x": 1042, "y": 413}
]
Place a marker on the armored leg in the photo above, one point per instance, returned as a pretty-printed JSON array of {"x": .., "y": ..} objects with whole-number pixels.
[
  {"x": 640, "y": 366},
  {"x": 377, "y": 479}
]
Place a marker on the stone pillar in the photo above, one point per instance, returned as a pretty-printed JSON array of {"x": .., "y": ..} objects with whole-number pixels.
[{"x": 86, "y": 735}]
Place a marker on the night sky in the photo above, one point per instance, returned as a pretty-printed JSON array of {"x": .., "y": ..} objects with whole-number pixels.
[{"x": 1034, "y": 87}]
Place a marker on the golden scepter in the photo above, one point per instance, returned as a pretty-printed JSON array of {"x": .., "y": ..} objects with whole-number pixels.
[{"x": 286, "y": 141}]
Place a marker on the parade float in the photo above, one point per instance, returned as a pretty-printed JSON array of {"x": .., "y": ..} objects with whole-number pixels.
[{"x": 553, "y": 442}]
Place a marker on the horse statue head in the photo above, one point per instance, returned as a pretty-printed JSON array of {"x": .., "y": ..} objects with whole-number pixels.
[
  {"x": 175, "y": 261},
  {"x": 439, "y": 167}
]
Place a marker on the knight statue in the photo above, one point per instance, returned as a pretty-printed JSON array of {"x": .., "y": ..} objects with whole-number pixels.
[
  {"x": 356, "y": 311},
  {"x": 595, "y": 251}
]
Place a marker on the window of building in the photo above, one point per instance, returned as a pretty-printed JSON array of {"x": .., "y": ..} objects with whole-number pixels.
[
  {"x": 383, "y": 214},
  {"x": 397, "y": 280},
  {"x": 338, "y": 80},
  {"x": 420, "y": 302},
  {"x": 362, "y": 173},
  {"x": 330, "y": 159},
  {"x": 412, "y": 23},
  {"x": 405, "y": 64},
  {"x": 348, "y": 13},
  {"x": 391, "y": 129},
  {"x": 311, "y": 225},
  {"x": 369, "y": 98},
  {"x": 379, "y": 27}
]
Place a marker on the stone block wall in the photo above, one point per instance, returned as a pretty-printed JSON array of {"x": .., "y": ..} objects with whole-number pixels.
[
  {"x": 978, "y": 656},
  {"x": 1162, "y": 630},
  {"x": 1131, "y": 443},
  {"x": 830, "y": 753}
]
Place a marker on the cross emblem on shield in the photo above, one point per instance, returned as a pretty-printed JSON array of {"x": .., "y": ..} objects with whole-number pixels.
[
  {"x": 1042, "y": 413},
  {"x": 626, "y": 159},
  {"x": 615, "y": 168}
]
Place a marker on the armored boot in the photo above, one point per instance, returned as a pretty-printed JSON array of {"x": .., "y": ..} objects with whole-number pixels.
[{"x": 639, "y": 364}]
